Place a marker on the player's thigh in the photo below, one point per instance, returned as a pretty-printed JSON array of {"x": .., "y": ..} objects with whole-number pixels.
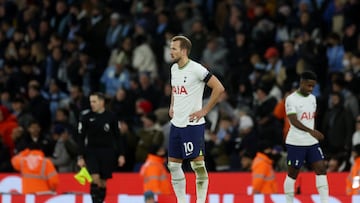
[
  {"x": 175, "y": 142},
  {"x": 295, "y": 156},
  {"x": 193, "y": 142},
  {"x": 315, "y": 157}
]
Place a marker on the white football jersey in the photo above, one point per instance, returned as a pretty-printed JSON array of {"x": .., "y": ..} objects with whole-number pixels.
[
  {"x": 305, "y": 109},
  {"x": 187, "y": 88}
]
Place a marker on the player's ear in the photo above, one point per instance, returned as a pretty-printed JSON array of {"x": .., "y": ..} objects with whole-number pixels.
[{"x": 183, "y": 52}]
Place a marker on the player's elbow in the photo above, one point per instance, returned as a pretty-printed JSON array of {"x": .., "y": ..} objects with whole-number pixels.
[{"x": 220, "y": 89}]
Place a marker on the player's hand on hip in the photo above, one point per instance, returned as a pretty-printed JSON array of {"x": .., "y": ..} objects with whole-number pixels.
[
  {"x": 317, "y": 134},
  {"x": 196, "y": 116},
  {"x": 121, "y": 160},
  {"x": 81, "y": 162}
]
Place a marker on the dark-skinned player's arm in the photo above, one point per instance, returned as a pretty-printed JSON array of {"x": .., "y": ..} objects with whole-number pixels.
[{"x": 295, "y": 122}]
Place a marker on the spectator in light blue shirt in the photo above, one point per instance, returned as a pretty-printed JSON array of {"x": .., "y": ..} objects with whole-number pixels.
[
  {"x": 54, "y": 95},
  {"x": 335, "y": 53},
  {"x": 115, "y": 77}
]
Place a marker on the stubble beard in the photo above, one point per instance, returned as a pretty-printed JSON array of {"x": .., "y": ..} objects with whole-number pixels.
[{"x": 176, "y": 60}]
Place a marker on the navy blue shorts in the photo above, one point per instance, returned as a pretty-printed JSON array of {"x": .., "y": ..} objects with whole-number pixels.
[
  {"x": 298, "y": 155},
  {"x": 101, "y": 161},
  {"x": 188, "y": 142}
]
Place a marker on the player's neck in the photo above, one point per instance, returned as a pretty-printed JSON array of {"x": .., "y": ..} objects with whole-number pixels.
[
  {"x": 183, "y": 62},
  {"x": 301, "y": 93}
]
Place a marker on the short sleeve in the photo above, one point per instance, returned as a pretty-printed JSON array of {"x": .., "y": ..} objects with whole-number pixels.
[
  {"x": 201, "y": 72},
  {"x": 290, "y": 106}
]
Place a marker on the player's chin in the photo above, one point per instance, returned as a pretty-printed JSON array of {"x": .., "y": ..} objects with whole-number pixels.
[{"x": 175, "y": 60}]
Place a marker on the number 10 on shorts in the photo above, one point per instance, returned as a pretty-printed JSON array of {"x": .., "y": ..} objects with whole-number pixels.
[{"x": 189, "y": 148}]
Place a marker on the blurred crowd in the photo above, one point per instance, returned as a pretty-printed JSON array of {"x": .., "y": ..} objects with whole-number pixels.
[{"x": 53, "y": 53}]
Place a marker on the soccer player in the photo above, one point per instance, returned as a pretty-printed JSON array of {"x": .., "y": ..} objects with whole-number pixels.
[
  {"x": 302, "y": 141},
  {"x": 104, "y": 145},
  {"x": 186, "y": 141}
]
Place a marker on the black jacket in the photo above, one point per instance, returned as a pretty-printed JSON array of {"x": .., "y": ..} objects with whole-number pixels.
[{"x": 101, "y": 130}]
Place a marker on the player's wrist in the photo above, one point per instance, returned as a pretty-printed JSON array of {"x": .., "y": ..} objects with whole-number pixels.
[{"x": 205, "y": 111}]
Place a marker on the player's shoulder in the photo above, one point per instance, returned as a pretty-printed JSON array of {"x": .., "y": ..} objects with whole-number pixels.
[
  {"x": 292, "y": 96},
  {"x": 312, "y": 97},
  {"x": 194, "y": 64},
  {"x": 174, "y": 66},
  {"x": 197, "y": 70}
]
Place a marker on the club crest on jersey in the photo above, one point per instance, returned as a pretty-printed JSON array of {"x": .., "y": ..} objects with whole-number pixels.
[
  {"x": 307, "y": 115},
  {"x": 106, "y": 127},
  {"x": 179, "y": 89}
]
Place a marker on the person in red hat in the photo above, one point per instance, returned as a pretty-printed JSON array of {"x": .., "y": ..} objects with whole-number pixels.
[
  {"x": 144, "y": 107},
  {"x": 275, "y": 65}
]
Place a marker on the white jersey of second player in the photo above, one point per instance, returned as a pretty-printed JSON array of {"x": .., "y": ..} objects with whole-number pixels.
[
  {"x": 305, "y": 109},
  {"x": 187, "y": 89}
]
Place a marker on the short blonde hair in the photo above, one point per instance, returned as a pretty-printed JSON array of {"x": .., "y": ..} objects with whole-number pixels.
[{"x": 185, "y": 43}]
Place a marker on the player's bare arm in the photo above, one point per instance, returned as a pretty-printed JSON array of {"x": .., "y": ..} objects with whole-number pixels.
[
  {"x": 294, "y": 121},
  {"x": 217, "y": 90},
  {"x": 171, "y": 109}
]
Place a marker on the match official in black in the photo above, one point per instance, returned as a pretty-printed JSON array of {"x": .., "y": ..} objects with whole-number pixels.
[{"x": 100, "y": 145}]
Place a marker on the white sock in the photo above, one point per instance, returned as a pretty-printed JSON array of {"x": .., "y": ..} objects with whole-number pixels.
[
  {"x": 289, "y": 189},
  {"x": 178, "y": 181},
  {"x": 202, "y": 180},
  {"x": 323, "y": 188}
]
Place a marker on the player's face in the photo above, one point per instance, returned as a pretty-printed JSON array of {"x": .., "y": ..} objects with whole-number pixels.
[
  {"x": 97, "y": 105},
  {"x": 176, "y": 52},
  {"x": 307, "y": 86}
]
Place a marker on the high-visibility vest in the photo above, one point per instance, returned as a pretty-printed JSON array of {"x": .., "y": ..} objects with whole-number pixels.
[
  {"x": 280, "y": 113},
  {"x": 38, "y": 173},
  {"x": 353, "y": 179},
  {"x": 263, "y": 175},
  {"x": 156, "y": 177}
]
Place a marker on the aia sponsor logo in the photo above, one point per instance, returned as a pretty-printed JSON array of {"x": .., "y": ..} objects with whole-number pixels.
[
  {"x": 179, "y": 90},
  {"x": 307, "y": 116}
]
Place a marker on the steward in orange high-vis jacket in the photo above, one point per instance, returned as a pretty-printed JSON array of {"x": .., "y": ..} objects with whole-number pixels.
[
  {"x": 353, "y": 179},
  {"x": 155, "y": 173},
  {"x": 37, "y": 172},
  {"x": 263, "y": 174}
]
